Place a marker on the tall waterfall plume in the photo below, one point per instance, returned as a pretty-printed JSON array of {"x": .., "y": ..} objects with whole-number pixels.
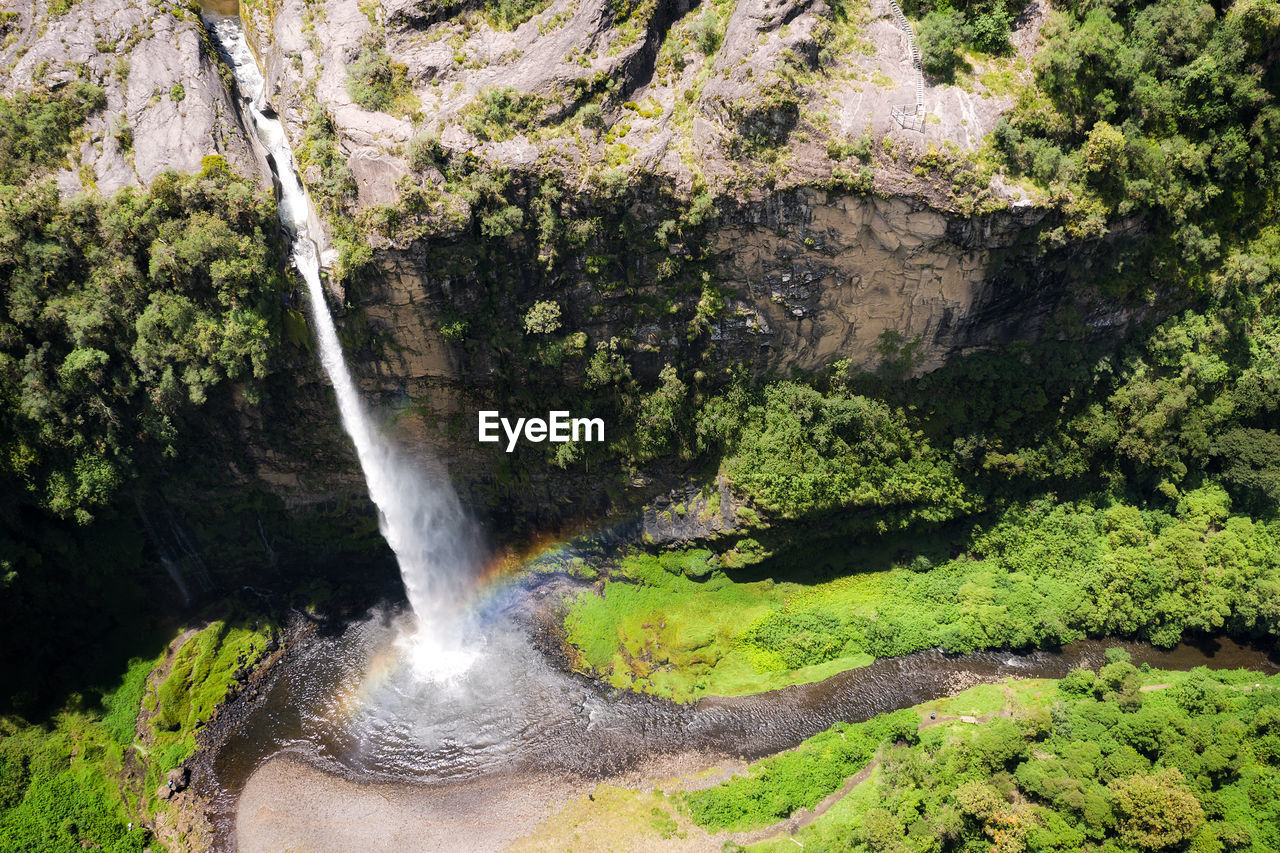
[{"x": 421, "y": 520}]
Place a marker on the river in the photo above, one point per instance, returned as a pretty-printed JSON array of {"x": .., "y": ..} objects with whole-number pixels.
[{"x": 349, "y": 703}]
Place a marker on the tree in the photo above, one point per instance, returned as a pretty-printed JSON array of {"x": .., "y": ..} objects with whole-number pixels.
[
  {"x": 942, "y": 36},
  {"x": 658, "y": 421},
  {"x": 1157, "y": 811},
  {"x": 989, "y": 28},
  {"x": 1251, "y": 464}
]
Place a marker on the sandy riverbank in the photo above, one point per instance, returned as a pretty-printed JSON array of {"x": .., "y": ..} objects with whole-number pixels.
[{"x": 289, "y": 805}]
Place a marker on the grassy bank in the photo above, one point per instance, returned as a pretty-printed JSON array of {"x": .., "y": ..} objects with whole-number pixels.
[
  {"x": 1041, "y": 574},
  {"x": 1119, "y": 760},
  {"x": 651, "y": 630},
  {"x": 86, "y": 777}
]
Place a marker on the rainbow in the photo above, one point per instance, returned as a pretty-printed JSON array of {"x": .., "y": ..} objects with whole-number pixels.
[{"x": 493, "y": 586}]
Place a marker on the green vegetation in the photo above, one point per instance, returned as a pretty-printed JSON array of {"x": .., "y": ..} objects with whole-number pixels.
[
  {"x": 57, "y": 789},
  {"x": 1122, "y": 760},
  {"x": 1164, "y": 110},
  {"x": 765, "y": 120},
  {"x": 509, "y": 14},
  {"x": 201, "y": 672},
  {"x": 1094, "y": 762},
  {"x": 1043, "y": 574},
  {"x": 947, "y": 33},
  {"x": 1128, "y": 494},
  {"x": 796, "y": 451},
  {"x": 942, "y": 38},
  {"x": 121, "y": 317},
  {"x": 542, "y": 318},
  {"x": 776, "y": 787},
  {"x": 707, "y": 31},
  {"x": 1011, "y": 499},
  {"x": 377, "y": 82},
  {"x": 124, "y": 321},
  {"x": 80, "y": 780},
  {"x": 319, "y": 148},
  {"x": 501, "y": 112},
  {"x": 36, "y": 128},
  {"x": 332, "y": 186},
  {"x": 657, "y": 629}
]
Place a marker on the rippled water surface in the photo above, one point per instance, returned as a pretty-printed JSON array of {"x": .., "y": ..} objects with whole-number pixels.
[{"x": 354, "y": 703}]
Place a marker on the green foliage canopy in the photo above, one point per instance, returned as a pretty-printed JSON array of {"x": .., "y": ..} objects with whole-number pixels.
[{"x": 120, "y": 317}]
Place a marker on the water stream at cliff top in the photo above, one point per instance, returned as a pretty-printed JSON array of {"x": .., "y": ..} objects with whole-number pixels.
[{"x": 421, "y": 520}]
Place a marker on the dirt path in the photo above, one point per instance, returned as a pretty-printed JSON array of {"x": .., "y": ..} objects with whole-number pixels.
[{"x": 804, "y": 817}]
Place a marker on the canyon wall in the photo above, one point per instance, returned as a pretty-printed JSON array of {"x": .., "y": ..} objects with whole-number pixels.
[{"x": 829, "y": 232}]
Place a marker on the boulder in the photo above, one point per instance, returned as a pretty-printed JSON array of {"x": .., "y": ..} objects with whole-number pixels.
[{"x": 178, "y": 778}]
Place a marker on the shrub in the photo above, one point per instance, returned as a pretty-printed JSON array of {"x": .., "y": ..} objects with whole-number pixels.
[
  {"x": 800, "y": 639},
  {"x": 509, "y": 14},
  {"x": 503, "y": 222},
  {"x": 36, "y": 127},
  {"x": 767, "y": 119},
  {"x": 425, "y": 151},
  {"x": 706, "y": 31},
  {"x": 542, "y": 318},
  {"x": 989, "y": 28},
  {"x": 591, "y": 116},
  {"x": 695, "y": 563},
  {"x": 778, "y": 786},
  {"x": 1157, "y": 812},
  {"x": 942, "y": 38},
  {"x": 375, "y": 81},
  {"x": 501, "y": 112}
]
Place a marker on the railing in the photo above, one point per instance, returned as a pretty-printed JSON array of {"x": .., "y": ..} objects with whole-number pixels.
[{"x": 910, "y": 116}]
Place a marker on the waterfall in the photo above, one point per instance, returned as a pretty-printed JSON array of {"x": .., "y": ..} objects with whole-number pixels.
[{"x": 423, "y": 522}]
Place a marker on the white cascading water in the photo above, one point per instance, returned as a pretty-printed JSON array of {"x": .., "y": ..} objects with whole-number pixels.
[{"x": 423, "y": 522}]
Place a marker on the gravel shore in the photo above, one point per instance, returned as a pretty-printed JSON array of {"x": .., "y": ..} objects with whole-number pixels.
[{"x": 290, "y": 805}]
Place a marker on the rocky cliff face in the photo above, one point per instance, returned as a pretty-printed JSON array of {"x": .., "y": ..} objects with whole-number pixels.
[
  {"x": 168, "y": 102},
  {"x": 811, "y": 276},
  {"x": 742, "y": 197},
  {"x": 771, "y": 108},
  {"x": 833, "y": 232},
  {"x": 677, "y": 89}
]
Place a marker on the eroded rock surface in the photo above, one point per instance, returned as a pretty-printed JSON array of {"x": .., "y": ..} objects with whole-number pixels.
[
  {"x": 830, "y": 231},
  {"x": 167, "y": 103},
  {"x": 678, "y": 93}
]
